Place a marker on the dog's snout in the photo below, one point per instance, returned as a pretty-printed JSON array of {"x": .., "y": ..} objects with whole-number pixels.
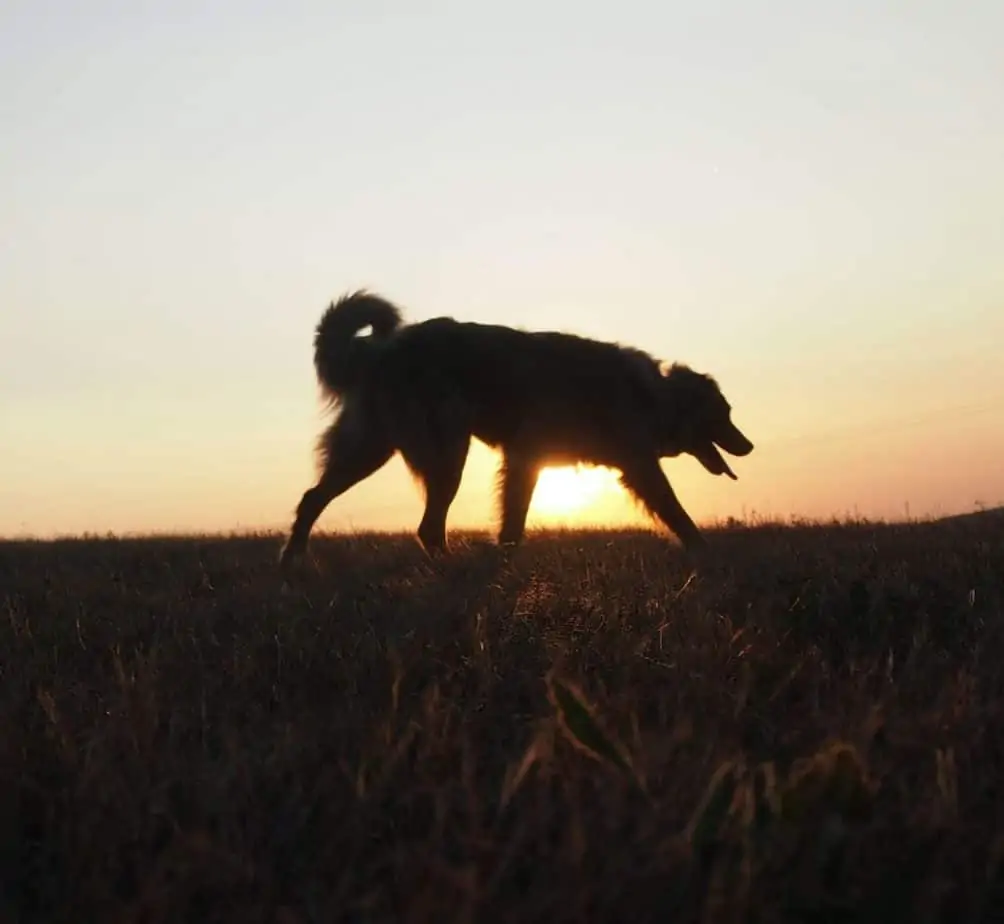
[{"x": 735, "y": 442}]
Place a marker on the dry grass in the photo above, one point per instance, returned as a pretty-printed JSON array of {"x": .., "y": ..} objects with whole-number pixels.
[{"x": 522, "y": 740}]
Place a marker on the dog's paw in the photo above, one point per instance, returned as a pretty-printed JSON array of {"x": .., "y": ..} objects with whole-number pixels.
[
  {"x": 506, "y": 550},
  {"x": 696, "y": 549},
  {"x": 287, "y": 558},
  {"x": 293, "y": 559},
  {"x": 704, "y": 560}
]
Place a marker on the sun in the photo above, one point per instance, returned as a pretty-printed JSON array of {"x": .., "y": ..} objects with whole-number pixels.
[{"x": 571, "y": 489}]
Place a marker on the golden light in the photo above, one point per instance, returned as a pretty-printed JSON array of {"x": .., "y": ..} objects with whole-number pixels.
[{"x": 572, "y": 489}]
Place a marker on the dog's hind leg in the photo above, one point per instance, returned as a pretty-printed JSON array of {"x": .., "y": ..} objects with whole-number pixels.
[
  {"x": 440, "y": 472},
  {"x": 352, "y": 452},
  {"x": 519, "y": 478},
  {"x": 648, "y": 483}
]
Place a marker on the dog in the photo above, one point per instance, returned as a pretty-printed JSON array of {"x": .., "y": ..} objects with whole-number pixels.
[{"x": 541, "y": 397}]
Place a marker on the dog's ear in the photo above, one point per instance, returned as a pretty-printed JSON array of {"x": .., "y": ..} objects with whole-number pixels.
[{"x": 674, "y": 422}]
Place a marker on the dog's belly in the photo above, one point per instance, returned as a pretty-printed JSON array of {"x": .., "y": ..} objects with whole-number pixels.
[{"x": 563, "y": 437}]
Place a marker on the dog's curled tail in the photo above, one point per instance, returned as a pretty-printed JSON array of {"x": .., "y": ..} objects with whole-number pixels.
[{"x": 340, "y": 357}]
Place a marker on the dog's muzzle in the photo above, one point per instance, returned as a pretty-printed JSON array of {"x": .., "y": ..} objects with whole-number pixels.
[{"x": 733, "y": 441}]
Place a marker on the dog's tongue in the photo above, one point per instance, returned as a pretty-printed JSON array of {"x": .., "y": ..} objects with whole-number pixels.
[{"x": 712, "y": 460}]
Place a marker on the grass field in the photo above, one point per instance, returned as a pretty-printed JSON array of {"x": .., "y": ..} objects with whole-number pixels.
[{"x": 812, "y": 729}]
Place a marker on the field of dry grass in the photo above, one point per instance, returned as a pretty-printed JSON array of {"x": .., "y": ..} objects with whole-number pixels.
[{"x": 811, "y": 730}]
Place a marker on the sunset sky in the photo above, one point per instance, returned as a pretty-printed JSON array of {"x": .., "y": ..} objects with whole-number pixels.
[{"x": 804, "y": 199}]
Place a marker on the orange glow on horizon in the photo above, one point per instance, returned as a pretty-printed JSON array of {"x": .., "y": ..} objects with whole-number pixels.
[{"x": 571, "y": 491}]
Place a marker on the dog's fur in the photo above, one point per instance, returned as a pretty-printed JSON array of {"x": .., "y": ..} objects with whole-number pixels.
[{"x": 542, "y": 398}]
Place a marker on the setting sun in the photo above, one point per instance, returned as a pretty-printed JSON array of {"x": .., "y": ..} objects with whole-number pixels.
[{"x": 571, "y": 489}]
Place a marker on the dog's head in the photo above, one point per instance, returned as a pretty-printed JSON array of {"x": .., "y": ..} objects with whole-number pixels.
[{"x": 697, "y": 420}]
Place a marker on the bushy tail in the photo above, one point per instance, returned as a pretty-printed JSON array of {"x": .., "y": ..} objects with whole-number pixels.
[{"x": 340, "y": 357}]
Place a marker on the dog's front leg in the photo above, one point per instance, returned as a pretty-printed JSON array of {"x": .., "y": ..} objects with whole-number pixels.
[{"x": 648, "y": 483}]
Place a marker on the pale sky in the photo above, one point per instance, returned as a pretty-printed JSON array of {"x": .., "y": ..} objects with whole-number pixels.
[{"x": 804, "y": 199}]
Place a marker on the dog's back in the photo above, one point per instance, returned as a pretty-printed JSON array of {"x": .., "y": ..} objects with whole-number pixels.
[{"x": 522, "y": 386}]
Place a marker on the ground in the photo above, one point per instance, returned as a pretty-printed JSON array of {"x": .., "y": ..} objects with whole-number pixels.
[{"x": 811, "y": 728}]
